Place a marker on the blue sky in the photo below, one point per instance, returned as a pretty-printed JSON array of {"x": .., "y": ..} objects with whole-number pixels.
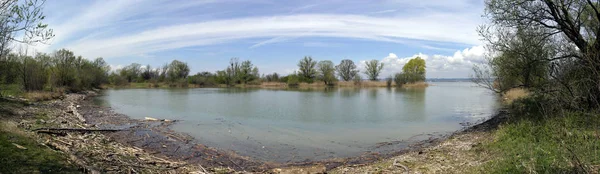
[{"x": 273, "y": 34}]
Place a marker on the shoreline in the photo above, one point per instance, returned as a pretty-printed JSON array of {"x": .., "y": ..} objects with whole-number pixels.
[
  {"x": 275, "y": 85},
  {"x": 157, "y": 139}
]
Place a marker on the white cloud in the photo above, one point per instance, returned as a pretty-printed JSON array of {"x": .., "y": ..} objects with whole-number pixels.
[
  {"x": 438, "y": 66},
  {"x": 114, "y": 29}
]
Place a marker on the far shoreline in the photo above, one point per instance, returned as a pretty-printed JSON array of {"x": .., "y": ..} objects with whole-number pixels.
[{"x": 273, "y": 85}]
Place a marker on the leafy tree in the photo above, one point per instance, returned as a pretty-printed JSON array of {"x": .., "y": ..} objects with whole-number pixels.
[
  {"x": 326, "y": 72},
  {"x": 132, "y": 72},
  {"x": 178, "y": 70},
  {"x": 293, "y": 80},
  {"x": 521, "y": 61},
  {"x": 64, "y": 71},
  {"x": 373, "y": 68},
  {"x": 346, "y": 70},
  {"x": 573, "y": 26},
  {"x": 415, "y": 66},
  {"x": 412, "y": 71},
  {"x": 203, "y": 79},
  {"x": 33, "y": 73},
  {"x": 307, "y": 71},
  {"x": 148, "y": 73},
  {"x": 247, "y": 72},
  {"x": 272, "y": 77}
]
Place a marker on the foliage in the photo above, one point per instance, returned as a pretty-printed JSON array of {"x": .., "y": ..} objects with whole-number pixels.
[
  {"x": 177, "y": 70},
  {"x": 373, "y": 68},
  {"x": 357, "y": 79},
  {"x": 388, "y": 81},
  {"x": 203, "y": 79},
  {"x": 346, "y": 70},
  {"x": 564, "y": 38},
  {"x": 293, "y": 80},
  {"x": 238, "y": 73},
  {"x": 22, "y": 18},
  {"x": 307, "y": 71},
  {"x": 522, "y": 61},
  {"x": 326, "y": 72},
  {"x": 272, "y": 77},
  {"x": 415, "y": 66},
  {"x": 413, "y": 71}
]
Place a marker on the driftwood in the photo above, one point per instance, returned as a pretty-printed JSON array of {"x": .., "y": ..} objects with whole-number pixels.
[{"x": 64, "y": 131}]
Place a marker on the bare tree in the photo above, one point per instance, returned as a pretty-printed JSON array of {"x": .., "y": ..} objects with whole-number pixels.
[
  {"x": 346, "y": 70},
  {"x": 373, "y": 68}
]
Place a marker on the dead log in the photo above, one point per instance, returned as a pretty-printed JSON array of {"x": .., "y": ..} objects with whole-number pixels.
[{"x": 64, "y": 131}]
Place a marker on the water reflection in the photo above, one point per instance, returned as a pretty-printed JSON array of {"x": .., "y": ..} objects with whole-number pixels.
[
  {"x": 341, "y": 120},
  {"x": 417, "y": 104}
]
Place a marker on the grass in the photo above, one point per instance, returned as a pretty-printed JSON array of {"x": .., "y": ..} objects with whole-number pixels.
[
  {"x": 513, "y": 94},
  {"x": 10, "y": 90},
  {"x": 35, "y": 159},
  {"x": 41, "y": 95},
  {"x": 416, "y": 85},
  {"x": 569, "y": 143}
]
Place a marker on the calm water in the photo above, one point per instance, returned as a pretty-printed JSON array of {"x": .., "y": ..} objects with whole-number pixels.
[{"x": 294, "y": 125}]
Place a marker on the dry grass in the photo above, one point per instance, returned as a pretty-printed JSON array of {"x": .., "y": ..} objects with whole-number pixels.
[
  {"x": 11, "y": 127},
  {"x": 511, "y": 95},
  {"x": 416, "y": 85},
  {"x": 42, "y": 95},
  {"x": 363, "y": 84}
]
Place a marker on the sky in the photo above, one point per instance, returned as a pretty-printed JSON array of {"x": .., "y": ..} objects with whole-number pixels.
[{"x": 273, "y": 34}]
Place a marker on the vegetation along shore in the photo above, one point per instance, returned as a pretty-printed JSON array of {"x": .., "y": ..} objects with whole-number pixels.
[{"x": 543, "y": 64}]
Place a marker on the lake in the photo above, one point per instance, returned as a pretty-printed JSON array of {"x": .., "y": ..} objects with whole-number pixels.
[{"x": 295, "y": 125}]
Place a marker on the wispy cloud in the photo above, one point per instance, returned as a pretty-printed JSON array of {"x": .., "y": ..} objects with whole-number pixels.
[{"x": 430, "y": 28}]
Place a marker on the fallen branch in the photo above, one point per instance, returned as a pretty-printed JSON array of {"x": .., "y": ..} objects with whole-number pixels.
[{"x": 64, "y": 131}]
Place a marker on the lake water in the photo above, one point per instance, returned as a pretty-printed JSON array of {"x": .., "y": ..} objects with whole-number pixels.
[{"x": 295, "y": 125}]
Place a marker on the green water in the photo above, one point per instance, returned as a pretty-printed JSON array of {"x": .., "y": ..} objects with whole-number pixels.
[{"x": 295, "y": 125}]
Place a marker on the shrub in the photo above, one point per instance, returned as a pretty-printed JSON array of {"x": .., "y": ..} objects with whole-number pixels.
[
  {"x": 357, "y": 80},
  {"x": 293, "y": 80}
]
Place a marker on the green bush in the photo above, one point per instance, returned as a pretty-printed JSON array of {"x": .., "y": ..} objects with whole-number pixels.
[
  {"x": 404, "y": 78},
  {"x": 293, "y": 80}
]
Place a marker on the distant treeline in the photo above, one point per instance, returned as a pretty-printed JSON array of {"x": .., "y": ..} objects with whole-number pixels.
[
  {"x": 244, "y": 72},
  {"x": 65, "y": 71}
]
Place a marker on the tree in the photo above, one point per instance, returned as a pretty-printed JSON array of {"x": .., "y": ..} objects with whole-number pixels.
[
  {"x": 178, "y": 70},
  {"x": 415, "y": 66},
  {"x": 346, "y": 70},
  {"x": 272, "y": 77},
  {"x": 307, "y": 71},
  {"x": 64, "y": 71},
  {"x": 373, "y": 68},
  {"x": 521, "y": 60},
  {"x": 574, "y": 25},
  {"x": 326, "y": 72},
  {"x": 20, "y": 18},
  {"x": 231, "y": 73},
  {"x": 247, "y": 72},
  {"x": 132, "y": 72},
  {"x": 412, "y": 71}
]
